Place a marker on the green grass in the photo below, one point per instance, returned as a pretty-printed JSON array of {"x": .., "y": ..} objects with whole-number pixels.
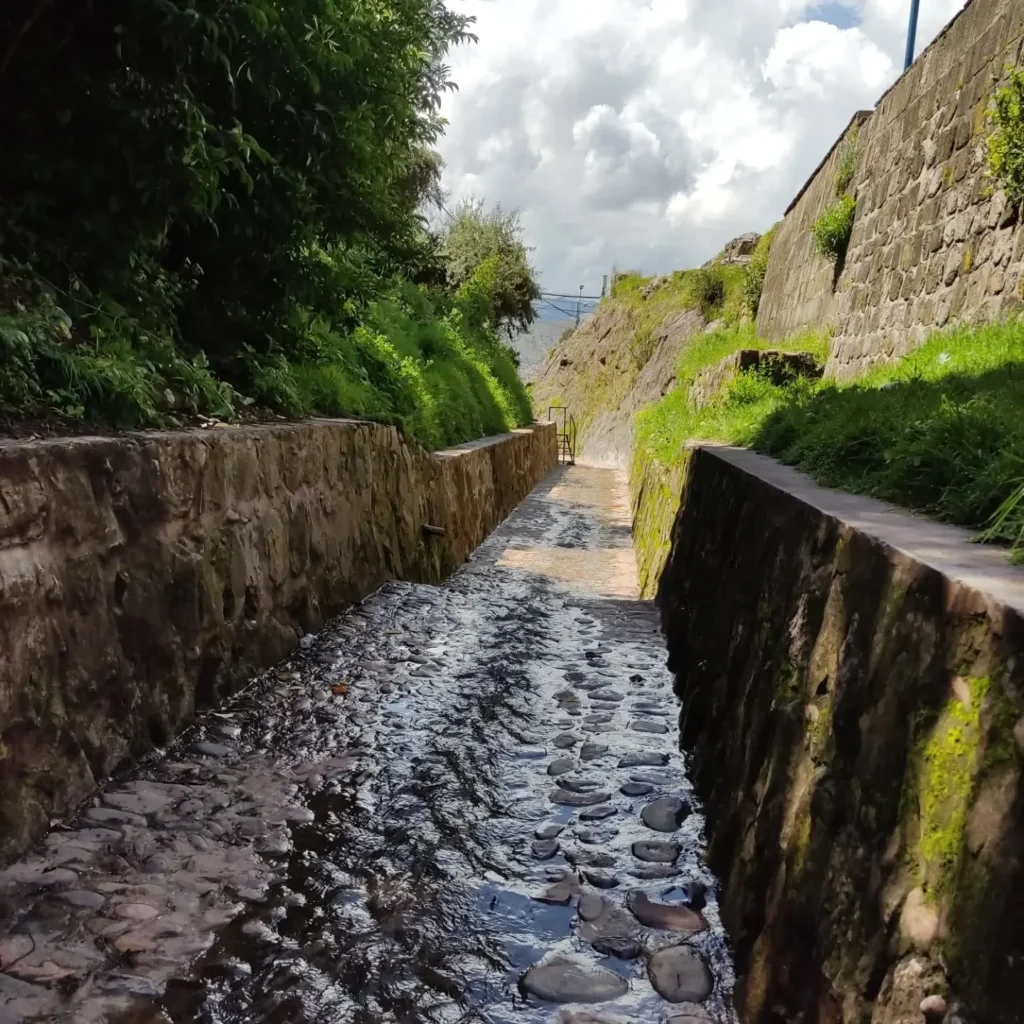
[
  {"x": 940, "y": 432},
  {"x": 716, "y": 291},
  {"x": 663, "y": 429}
]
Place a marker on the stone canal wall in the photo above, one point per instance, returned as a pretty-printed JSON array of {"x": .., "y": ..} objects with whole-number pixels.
[
  {"x": 145, "y": 574},
  {"x": 852, "y": 682},
  {"x": 933, "y": 241}
]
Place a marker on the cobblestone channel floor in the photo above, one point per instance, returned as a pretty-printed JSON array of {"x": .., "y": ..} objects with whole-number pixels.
[{"x": 457, "y": 803}]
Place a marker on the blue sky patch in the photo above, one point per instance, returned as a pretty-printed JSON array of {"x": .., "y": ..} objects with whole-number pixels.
[{"x": 838, "y": 14}]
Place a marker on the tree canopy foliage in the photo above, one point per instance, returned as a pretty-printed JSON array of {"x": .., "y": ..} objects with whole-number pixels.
[
  {"x": 489, "y": 244},
  {"x": 198, "y": 193}
]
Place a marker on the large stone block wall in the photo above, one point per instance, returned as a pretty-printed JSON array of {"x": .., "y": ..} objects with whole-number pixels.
[
  {"x": 143, "y": 574},
  {"x": 933, "y": 243},
  {"x": 852, "y": 682},
  {"x": 798, "y": 285}
]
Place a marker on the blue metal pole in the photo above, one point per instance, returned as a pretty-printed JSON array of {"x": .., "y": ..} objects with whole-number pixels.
[{"x": 915, "y": 7}]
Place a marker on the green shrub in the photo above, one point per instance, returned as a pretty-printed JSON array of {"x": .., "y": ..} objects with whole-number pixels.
[
  {"x": 833, "y": 228},
  {"x": 846, "y": 161},
  {"x": 708, "y": 288},
  {"x": 754, "y": 274},
  {"x": 1006, "y": 142}
]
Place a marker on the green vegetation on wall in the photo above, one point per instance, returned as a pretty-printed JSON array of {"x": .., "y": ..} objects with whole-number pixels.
[
  {"x": 949, "y": 761},
  {"x": 756, "y": 270},
  {"x": 1006, "y": 142},
  {"x": 833, "y": 228},
  {"x": 662, "y": 430},
  {"x": 210, "y": 205}
]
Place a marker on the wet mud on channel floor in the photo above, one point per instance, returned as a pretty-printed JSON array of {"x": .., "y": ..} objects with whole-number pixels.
[{"x": 457, "y": 803}]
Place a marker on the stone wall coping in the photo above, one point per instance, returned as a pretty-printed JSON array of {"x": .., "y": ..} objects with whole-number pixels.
[
  {"x": 947, "y": 549},
  {"x": 483, "y": 442},
  {"x": 235, "y": 430}
]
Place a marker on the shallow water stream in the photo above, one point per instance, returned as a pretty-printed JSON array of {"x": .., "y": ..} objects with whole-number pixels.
[{"x": 458, "y": 803}]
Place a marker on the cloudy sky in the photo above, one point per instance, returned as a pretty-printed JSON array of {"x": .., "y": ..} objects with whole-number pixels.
[{"x": 646, "y": 133}]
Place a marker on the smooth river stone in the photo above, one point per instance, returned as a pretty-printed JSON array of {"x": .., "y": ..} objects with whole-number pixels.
[
  {"x": 651, "y": 872},
  {"x": 652, "y": 778},
  {"x": 667, "y": 916},
  {"x": 591, "y": 906},
  {"x": 611, "y": 696},
  {"x": 636, "y": 789},
  {"x": 549, "y": 831},
  {"x": 657, "y": 852},
  {"x": 562, "y": 980},
  {"x": 561, "y": 766},
  {"x": 564, "y": 741},
  {"x": 592, "y": 751},
  {"x": 601, "y": 880},
  {"x": 666, "y": 814},
  {"x": 598, "y": 813},
  {"x": 545, "y": 849},
  {"x": 644, "y": 761},
  {"x": 679, "y": 975},
  {"x": 568, "y": 799},
  {"x": 579, "y": 785},
  {"x": 655, "y": 728}
]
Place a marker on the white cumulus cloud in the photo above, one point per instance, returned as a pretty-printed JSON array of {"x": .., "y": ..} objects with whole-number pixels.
[{"x": 646, "y": 133}]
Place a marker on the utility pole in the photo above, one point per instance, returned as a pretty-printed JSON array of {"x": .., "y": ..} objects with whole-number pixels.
[
  {"x": 915, "y": 8},
  {"x": 604, "y": 286},
  {"x": 579, "y": 307}
]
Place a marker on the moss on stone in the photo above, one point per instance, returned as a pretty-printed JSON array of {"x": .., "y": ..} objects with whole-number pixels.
[
  {"x": 819, "y": 731},
  {"x": 948, "y": 768}
]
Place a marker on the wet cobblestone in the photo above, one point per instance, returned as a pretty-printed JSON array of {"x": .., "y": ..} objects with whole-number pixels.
[{"x": 461, "y": 803}]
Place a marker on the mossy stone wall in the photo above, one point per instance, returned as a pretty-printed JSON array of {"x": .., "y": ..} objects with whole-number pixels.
[{"x": 855, "y": 720}]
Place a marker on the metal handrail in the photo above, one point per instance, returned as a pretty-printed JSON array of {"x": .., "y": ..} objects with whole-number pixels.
[{"x": 567, "y": 433}]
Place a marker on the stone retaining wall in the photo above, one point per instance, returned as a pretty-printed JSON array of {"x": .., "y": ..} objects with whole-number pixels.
[
  {"x": 933, "y": 242},
  {"x": 853, "y": 689},
  {"x": 143, "y": 574}
]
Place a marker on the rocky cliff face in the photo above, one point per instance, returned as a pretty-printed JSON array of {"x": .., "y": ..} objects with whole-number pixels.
[
  {"x": 145, "y": 574},
  {"x": 609, "y": 369},
  {"x": 853, "y": 693}
]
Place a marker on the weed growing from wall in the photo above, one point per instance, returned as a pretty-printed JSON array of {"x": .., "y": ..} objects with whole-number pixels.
[
  {"x": 1006, "y": 142},
  {"x": 833, "y": 228},
  {"x": 753, "y": 281}
]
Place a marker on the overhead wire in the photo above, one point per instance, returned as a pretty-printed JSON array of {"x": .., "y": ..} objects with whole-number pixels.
[{"x": 565, "y": 312}]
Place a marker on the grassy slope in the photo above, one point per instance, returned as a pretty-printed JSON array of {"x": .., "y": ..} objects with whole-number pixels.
[
  {"x": 661, "y": 431},
  {"x": 608, "y": 352},
  {"x": 418, "y": 359},
  {"x": 941, "y": 432}
]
